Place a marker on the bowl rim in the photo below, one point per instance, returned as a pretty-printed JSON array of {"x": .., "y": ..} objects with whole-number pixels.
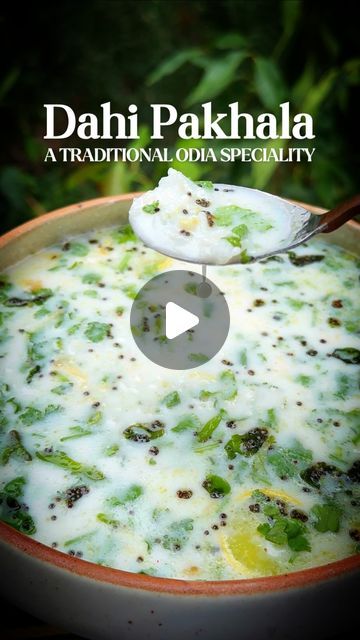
[{"x": 125, "y": 579}]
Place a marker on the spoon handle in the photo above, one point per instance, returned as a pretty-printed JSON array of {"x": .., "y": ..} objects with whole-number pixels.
[{"x": 336, "y": 217}]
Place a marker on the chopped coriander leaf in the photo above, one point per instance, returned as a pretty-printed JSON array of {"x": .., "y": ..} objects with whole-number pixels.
[
  {"x": 74, "y": 541},
  {"x": 205, "y": 184},
  {"x": 62, "y": 388},
  {"x": 283, "y": 531},
  {"x": 91, "y": 278},
  {"x": 31, "y": 414},
  {"x": 241, "y": 230},
  {"x": 177, "y": 534},
  {"x": 188, "y": 422},
  {"x": 302, "y": 261},
  {"x": 13, "y": 514},
  {"x": 228, "y": 380},
  {"x": 151, "y": 208},
  {"x": 129, "y": 495},
  {"x": 15, "y": 488},
  {"x": 124, "y": 234},
  {"x": 313, "y": 475},
  {"x": 38, "y": 298},
  {"x": 216, "y": 486},
  {"x": 235, "y": 241},
  {"x": 295, "y": 304},
  {"x": 306, "y": 381},
  {"x": 228, "y": 215},
  {"x": 289, "y": 462},
  {"x": 14, "y": 448},
  {"x": 347, "y": 355},
  {"x": 244, "y": 257},
  {"x": 172, "y": 399},
  {"x": 77, "y": 432},
  {"x": 124, "y": 262},
  {"x": 61, "y": 459},
  {"x": 144, "y": 432},
  {"x": 95, "y": 418},
  {"x": 97, "y": 331},
  {"x": 327, "y": 517},
  {"x": 130, "y": 291},
  {"x": 112, "y": 450},
  {"x": 246, "y": 444},
  {"x": 77, "y": 248},
  {"x": 106, "y": 519},
  {"x": 209, "y": 427},
  {"x": 243, "y": 360}
]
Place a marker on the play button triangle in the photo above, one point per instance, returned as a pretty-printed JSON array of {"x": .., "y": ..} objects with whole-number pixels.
[{"x": 178, "y": 320}]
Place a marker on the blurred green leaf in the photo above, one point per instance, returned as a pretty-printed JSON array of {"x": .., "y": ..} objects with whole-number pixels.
[
  {"x": 15, "y": 185},
  {"x": 144, "y": 138},
  {"x": 290, "y": 13},
  {"x": 217, "y": 77},
  {"x": 193, "y": 170},
  {"x": 304, "y": 83},
  {"x": 8, "y": 82},
  {"x": 352, "y": 71},
  {"x": 269, "y": 83},
  {"x": 262, "y": 172},
  {"x": 319, "y": 92},
  {"x": 291, "y": 10},
  {"x": 231, "y": 41},
  {"x": 172, "y": 64},
  {"x": 117, "y": 179},
  {"x": 92, "y": 172}
]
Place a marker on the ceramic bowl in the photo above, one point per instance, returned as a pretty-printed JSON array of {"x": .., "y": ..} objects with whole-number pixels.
[{"x": 107, "y": 604}]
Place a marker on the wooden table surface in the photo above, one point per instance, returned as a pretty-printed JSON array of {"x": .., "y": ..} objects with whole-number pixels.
[{"x": 15, "y": 624}]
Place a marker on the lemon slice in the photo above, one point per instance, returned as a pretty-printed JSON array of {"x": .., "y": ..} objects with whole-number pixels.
[
  {"x": 272, "y": 493},
  {"x": 244, "y": 549}
]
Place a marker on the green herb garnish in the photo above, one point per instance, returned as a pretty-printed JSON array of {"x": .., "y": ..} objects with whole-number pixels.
[
  {"x": 129, "y": 495},
  {"x": 190, "y": 421},
  {"x": 246, "y": 444},
  {"x": 124, "y": 234},
  {"x": 172, "y": 399},
  {"x": 205, "y": 184},
  {"x": 327, "y": 517},
  {"x": 139, "y": 432},
  {"x": 14, "y": 448},
  {"x": 97, "y": 331},
  {"x": 106, "y": 519},
  {"x": 347, "y": 355},
  {"x": 61, "y": 459},
  {"x": 216, "y": 486},
  {"x": 209, "y": 427},
  {"x": 177, "y": 534},
  {"x": 151, "y": 208}
]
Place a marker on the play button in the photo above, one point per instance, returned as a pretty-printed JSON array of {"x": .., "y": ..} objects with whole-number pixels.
[{"x": 179, "y": 320}]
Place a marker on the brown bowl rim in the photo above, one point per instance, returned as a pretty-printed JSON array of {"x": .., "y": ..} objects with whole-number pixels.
[{"x": 125, "y": 579}]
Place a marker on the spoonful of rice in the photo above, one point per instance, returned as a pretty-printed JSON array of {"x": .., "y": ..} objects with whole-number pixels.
[{"x": 218, "y": 224}]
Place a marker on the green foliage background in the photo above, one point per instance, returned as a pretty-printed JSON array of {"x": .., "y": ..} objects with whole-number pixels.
[{"x": 259, "y": 52}]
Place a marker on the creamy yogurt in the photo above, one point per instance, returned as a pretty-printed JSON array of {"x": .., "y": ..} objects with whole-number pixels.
[
  {"x": 245, "y": 466},
  {"x": 211, "y": 223}
]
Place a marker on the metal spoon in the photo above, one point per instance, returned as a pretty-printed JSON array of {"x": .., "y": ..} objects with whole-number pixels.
[{"x": 305, "y": 224}]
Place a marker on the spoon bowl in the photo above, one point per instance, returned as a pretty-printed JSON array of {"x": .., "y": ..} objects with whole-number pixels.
[{"x": 303, "y": 224}]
